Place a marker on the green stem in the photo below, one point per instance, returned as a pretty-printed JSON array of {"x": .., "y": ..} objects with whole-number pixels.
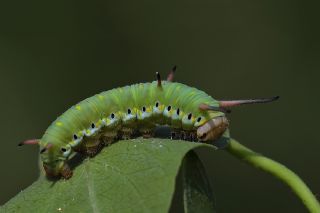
[{"x": 278, "y": 170}]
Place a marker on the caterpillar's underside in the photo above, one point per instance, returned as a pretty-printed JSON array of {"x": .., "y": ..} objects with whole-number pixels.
[{"x": 129, "y": 112}]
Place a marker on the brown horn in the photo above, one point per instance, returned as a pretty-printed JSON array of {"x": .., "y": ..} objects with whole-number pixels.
[{"x": 158, "y": 79}]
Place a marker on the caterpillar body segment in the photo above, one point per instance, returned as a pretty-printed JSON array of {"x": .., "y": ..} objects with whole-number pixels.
[{"x": 129, "y": 112}]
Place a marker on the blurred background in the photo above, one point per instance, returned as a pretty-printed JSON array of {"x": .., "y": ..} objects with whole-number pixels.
[{"x": 56, "y": 53}]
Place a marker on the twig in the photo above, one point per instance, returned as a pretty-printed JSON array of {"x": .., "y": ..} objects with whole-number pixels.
[{"x": 278, "y": 170}]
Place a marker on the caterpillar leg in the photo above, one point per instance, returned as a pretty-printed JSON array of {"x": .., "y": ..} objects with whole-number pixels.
[
  {"x": 147, "y": 133},
  {"x": 66, "y": 172},
  {"x": 192, "y": 136},
  {"x": 109, "y": 137},
  {"x": 127, "y": 133},
  {"x": 91, "y": 146},
  {"x": 177, "y": 134},
  {"x": 91, "y": 151},
  {"x": 146, "y": 129}
]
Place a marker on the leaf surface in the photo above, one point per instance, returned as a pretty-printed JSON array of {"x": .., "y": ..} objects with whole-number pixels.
[
  {"x": 129, "y": 176},
  {"x": 197, "y": 192}
]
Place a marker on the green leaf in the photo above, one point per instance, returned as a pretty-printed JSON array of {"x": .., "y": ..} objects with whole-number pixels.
[
  {"x": 197, "y": 192},
  {"x": 129, "y": 176}
]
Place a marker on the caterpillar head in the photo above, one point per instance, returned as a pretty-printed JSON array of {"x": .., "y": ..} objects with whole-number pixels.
[
  {"x": 54, "y": 159},
  {"x": 212, "y": 129}
]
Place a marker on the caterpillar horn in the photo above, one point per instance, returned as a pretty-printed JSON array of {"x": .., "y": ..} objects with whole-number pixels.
[
  {"x": 233, "y": 103},
  {"x": 29, "y": 142}
]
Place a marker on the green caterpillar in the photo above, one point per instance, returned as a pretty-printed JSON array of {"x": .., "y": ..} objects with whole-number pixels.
[{"x": 129, "y": 112}]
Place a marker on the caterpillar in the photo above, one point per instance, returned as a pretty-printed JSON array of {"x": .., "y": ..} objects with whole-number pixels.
[{"x": 129, "y": 112}]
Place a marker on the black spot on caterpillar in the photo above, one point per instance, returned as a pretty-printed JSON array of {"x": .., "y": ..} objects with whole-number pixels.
[{"x": 129, "y": 112}]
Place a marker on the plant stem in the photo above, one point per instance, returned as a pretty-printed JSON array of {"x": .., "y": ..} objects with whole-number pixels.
[{"x": 278, "y": 170}]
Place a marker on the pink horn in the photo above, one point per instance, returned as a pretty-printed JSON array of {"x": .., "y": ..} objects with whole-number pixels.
[
  {"x": 232, "y": 103},
  {"x": 171, "y": 74},
  {"x": 29, "y": 142}
]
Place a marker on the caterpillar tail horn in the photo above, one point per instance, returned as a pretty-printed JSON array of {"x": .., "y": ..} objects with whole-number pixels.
[
  {"x": 233, "y": 103},
  {"x": 29, "y": 142}
]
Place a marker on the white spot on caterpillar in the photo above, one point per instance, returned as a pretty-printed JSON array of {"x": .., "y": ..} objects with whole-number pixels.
[
  {"x": 90, "y": 132},
  {"x": 128, "y": 117},
  {"x": 103, "y": 122},
  {"x": 113, "y": 119},
  {"x": 76, "y": 142},
  {"x": 176, "y": 115},
  {"x": 188, "y": 119},
  {"x": 199, "y": 121},
  {"x": 67, "y": 151},
  {"x": 144, "y": 115},
  {"x": 95, "y": 127},
  {"x": 167, "y": 112},
  {"x": 158, "y": 108}
]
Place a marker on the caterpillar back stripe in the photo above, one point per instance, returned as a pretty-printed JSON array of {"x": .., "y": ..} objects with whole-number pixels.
[{"x": 129, "y": 112}]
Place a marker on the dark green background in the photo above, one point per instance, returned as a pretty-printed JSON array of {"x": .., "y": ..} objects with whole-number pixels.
[{"x": 54, "y": 54}]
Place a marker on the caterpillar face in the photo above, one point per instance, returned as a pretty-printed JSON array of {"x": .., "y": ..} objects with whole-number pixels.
[
  {"x": 213, "y": 129},
  {"x": 54, "y": 158},
  {"x": 54, "y": 168}
]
